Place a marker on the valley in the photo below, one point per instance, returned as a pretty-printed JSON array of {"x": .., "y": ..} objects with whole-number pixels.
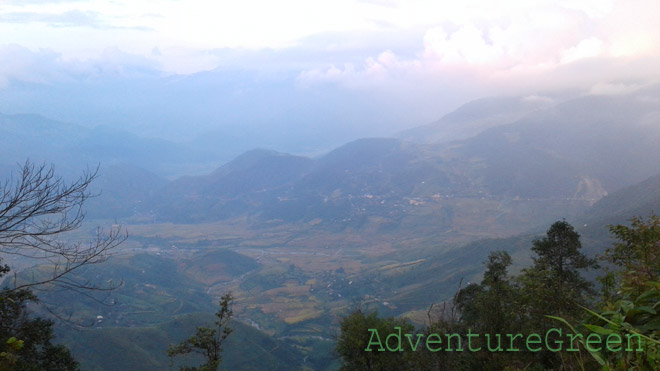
[{"x": 396, "y": 225}]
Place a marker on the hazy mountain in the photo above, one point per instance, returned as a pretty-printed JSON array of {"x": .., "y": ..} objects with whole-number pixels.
[
  {"x": 237, "y": 187},
  {"x": 593, "y": 141},
  {"x": 640, "y": 199},
  {"x": 74, "y": 147},
  {"x": 476, "y": 116},
  {"x": 555, "y": 159},
  {"x": 122, "y": 190},
  {"x": 225, "y": 111},
  {"x": 551, "y": 163},
  {"x": 466, "y": 262}
]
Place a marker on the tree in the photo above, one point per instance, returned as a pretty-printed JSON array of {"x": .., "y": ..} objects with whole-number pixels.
[
  {"x": 492, "y": 307},
  {"x": 25, "y": 342},
  {"x": 555, "y": 280},
  {"x": 208, "y": 341},
  {"x": 553, "y": 285},
  {"x": 36, "y": 209},
  {"x": 637, "y": 255},
  {"x": 355, "y": 337},
  {"x": 630, "y": 299}
]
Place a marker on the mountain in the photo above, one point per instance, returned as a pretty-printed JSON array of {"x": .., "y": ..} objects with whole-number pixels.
[
  {"x": 145, "y": 348},
  {"x": 638, "y": 200},
  {"x": 75, "y": 147},
  {"x": 476, "y": 116},
  {"x": 437, "y": 272},
  {"x": 121, "y": 191},
  {"x": 388, "y": 222},
  {"x": 608, "y": 141},
  {"x": 240, "y": 186}
]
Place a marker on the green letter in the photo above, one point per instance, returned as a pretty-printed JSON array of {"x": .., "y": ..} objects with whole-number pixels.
[
  {"x": 413, "y": 347},
  {"x": 617, "y": 341},
  {"x": 429, "y": 341},
  {"x": 499, "y": 343},
  {"x": 449, "y": 336},
  {"x": 470, "y": 335},
  {"x": 639, "y": 343},
  {"x": 380, "y": 345},
  {"x": 547, "y": 335},
  {"x": 598, "y": 340},
  {"x": 398, "y": 338},
  {"x": 511, "y": 339},
  {"x": 573, "y": 337},
  {"x": 537, "y": 340}
]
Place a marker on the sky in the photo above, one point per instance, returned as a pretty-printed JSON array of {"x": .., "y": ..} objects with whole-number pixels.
[{"x": 425, "y": 57}]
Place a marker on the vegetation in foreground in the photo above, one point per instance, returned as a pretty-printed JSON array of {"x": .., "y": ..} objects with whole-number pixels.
[{"x": 551, "y": 297}]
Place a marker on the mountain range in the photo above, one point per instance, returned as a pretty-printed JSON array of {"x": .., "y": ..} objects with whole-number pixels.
[{"x": 396, "y": 223}]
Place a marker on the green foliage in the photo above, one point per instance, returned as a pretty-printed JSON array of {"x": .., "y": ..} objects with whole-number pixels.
[
  {"x": 554, "y": 280},
  {"x": 500, "y": 304},
  {"x": 207, "y": 341},
  {"x": 141, "y": 347},
  {"x": 637, "y": 255},
  {"x": 355, "y": 337},
  {"x": 25, "y": 342},
  {"x": 631, "y": 299},
  {"x": 491, "y": 306}
]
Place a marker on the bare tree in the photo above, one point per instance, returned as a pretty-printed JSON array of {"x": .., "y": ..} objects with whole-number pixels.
[{"x": 36, "y": 208}]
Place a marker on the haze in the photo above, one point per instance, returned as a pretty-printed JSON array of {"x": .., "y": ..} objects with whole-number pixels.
[{"x": 305, "y": 77}]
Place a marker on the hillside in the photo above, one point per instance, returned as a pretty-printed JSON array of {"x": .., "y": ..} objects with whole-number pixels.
[
  {"x": 73, "y": 147},
  {"x": 552, "y": 162},
  {"x": 476, "y": 116}
]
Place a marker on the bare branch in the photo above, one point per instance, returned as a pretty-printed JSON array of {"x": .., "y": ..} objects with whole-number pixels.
[{"x": 35, "y": 210}]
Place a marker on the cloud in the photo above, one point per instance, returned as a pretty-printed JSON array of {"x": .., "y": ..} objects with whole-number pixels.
[
  {"x": 40, "y": 2},
  {"x": 71, "y": 18},
  {"x": 587, "y": 48},
  {"x": 400, "y": 47},
  {"x": 521, "y": 49},
  {"x": 385, "y": 68},
  {"x": 608, "y": 88},
  {"x": 46, "y": 66}
]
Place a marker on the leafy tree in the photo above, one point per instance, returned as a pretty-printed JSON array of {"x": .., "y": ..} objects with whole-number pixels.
[
  {"x": 630, "y": 302},
  {"x": 25, "y": 342},
  {"x": 553, "y": 285},
  {"x": 207, "y": 341},
  {"x": 554, "y": 280},
  {"x": 355, "y": 337},
  {"x": 636, "y": 257},
  {"x": 492, "y": 307}
]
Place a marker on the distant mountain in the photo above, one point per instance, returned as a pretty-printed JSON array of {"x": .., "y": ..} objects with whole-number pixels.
[
  {"x": 476, "y": 116},
  {"x": 598, "y": 142},
  {"x": 73, "y": 147},
  {"x": 235, "y": 188},
  {"x": 423, "y": 285},
  {"x": 532, "y": 160},
  {"x": 122, "y": 190},
  {"x": 637, "y": 200},
  {"x": 551, "y": 163}
]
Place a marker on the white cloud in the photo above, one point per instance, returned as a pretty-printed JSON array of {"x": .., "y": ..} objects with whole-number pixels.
[
  {"x": 497, "y": 43},
  {"x": 587, "y": 48},
  {"x": 47, "y": 66},
  {"x": 384, "y": 69}
]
